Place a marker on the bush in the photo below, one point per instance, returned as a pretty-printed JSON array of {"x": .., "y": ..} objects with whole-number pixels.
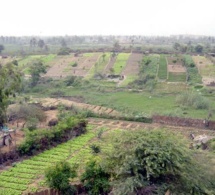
[
  {"x": 193, "y": 100},
  {"x": 156, "y": 161},
  {"x": 95, "y": 149},
  {"x": 74, "y": 64},
  {"x": 58, "y": 177},
  {"x": 95, "y": 179},
  {"x": 64, "y": 51},
  {"x": 42, "y": 139}
]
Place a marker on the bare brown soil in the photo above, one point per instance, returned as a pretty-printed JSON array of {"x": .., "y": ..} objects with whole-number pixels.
[
  {"x": 62, "y": 67},
  {"x": 132, "y": 66}
]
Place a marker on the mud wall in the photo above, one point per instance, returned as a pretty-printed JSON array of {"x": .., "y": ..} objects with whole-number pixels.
[{"x": 184, "y": 122}]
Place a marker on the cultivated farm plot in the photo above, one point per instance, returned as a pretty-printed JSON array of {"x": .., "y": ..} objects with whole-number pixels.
[
  {"x": 28, "y": 175},
  {"x": 162, "y": 70},
  {"x": 120, "y": 63},
  {"x": 131, "y": 69},
  {"x": 83, "y": 68},
  {"x": 99, "y": 66},
  {"x": 63, "y": 65},
  {"x": 176, "y": 70},
  {"x": 206, "y": 69}
]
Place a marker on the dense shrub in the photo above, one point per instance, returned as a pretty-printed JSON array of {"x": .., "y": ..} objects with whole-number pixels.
[
  {"x": 155, "y": 161},
  {"x": 58, "y": 176},
  {"x": 95, "y": 179},
  {"x": 194, "y": 100},
  {"x": 64, "y": 51},
  {"x": 41, "y": 139}
]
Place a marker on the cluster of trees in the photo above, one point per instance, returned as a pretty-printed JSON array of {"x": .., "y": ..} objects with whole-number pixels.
[
  {"x": 141, "y": 162},
  {"x": 10, "y": 84},
  {"x": 188, "y": 47}
]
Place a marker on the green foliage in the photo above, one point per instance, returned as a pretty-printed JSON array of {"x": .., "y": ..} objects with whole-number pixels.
[
  {"x": 95, "y": 149},
  {"x": 176, "y": 77},
  {"x": 10, "y": 83},
  {"x": 1, "y": 48},
  {"x": 199, "y": 48},
  {"x": 72, "y": 80},
  {"x": 36, "y": 68},
  {"x": 156, "y": 161},
  {"x": 193, "y": 75},
  {"x": 58, "y": 176},
  {"x": 95, "y": 179},
  {"x": 64, "y": 51},
  {"x": 42, "y": 139},
  {"x": 188, "y": 99},
  {"x": 74, "y": 64},
  {"x": 120, "y": 62},
  {"x": 162, "y": 71}
]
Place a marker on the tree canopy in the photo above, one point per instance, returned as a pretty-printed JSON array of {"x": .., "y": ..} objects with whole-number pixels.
[
  {"x": 36, "y": 68},
  {"x": 10, "y": 83},
  {"x": 153, "y": 162},
  {"x": 1, "y": 48}
]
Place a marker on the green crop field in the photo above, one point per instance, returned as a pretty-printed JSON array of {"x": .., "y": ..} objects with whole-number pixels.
[
  {"x": 17, "y": 179},
  {"x": 152, "y": 67},
  {"x": 162, "y": 71},
  {"x": 193, "y": 75},
  {"x": 120, "y": 62},
  {"x": 176, "y": 77}
]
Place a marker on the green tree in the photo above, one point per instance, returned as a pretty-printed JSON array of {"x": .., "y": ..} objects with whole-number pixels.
[
  {"x": 41, "y": 44},
  {"x": 10, "y": 83},
  {"x": 176, "y": 46},
  {"x": 58, "y": 176},
  {"x": 95, "y": 179},
  {"x": 199, "y": 48},
  {"x": 36, "y": 69},
  {"x": 155, "y": 161},
  {"x": 116, "y": 46},
  {"x": 1, "y": 48}
]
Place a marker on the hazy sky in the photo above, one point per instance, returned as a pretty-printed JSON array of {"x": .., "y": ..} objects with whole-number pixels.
[{"x": 107, "y": 17}]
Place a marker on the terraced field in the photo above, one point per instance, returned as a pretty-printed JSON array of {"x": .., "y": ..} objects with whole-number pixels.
[
  {"x": 206, "y": 69},
  {"x": 120, "y": 63},
  {"x": 162, "y": 71},
  {"x": 28, "y": 175},
  {"x": 131, "y": 69}
]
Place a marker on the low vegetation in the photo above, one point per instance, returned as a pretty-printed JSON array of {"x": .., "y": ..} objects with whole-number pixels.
[
  {"x": 162, "y": 71},
  {"x": 193, "y": 76}
]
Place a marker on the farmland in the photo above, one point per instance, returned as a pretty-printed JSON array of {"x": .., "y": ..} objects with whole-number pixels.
[
  {"x": 120, "y": 63},
  {"x": 151, "y": 84},
  {"x": 162, "y": 71},
  {"x": 28, "y": 175}
]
